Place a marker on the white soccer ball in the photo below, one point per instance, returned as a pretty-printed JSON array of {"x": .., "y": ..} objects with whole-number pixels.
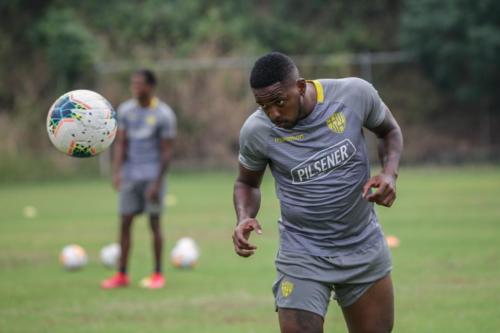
[
  {"x": 73, "y": 257},
  {"x": 185, "y": 253},
  {"x": 110, "y": 254},
  {"x": 81, "y": 123}
]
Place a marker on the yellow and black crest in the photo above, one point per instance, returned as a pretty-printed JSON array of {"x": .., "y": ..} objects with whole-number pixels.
[
  {"x": 336, "y": 122},
  {"x": 286, "y": 288},
  {"x": 151, "y": 120}
]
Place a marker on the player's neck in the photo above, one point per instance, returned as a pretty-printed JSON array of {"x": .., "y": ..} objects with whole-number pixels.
[
  {"x": 145, "y": 101},
  {"x": 310, "y": 98}
]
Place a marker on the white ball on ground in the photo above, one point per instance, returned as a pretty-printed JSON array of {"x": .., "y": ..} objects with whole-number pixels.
[
  {"x": 73, "y": 257},
  {"x": 185, "y": 253},
  {"x": 110, "y": 255},
  {"x": 30, "y": 212},
  {"x": 392, "y": 241}
]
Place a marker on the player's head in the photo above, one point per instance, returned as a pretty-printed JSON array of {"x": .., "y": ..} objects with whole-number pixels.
[
  {"x": 142, "y": 83},
  {"x": 278, "y": 89}
]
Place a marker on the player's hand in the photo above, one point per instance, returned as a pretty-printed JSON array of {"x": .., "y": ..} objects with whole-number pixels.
[
  {"x": 386, "y": 189},
  {"x": 153, "y": 191},
  {"x": 241, "y": 235},
  {"x": 117, "y": 179}
]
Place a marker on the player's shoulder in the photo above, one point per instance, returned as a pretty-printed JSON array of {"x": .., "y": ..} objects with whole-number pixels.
[
  {"x": 355, "y": 85},
  {"x": 257, "y": 127},
  {"x": 346, "y": 82},
  {"x": 348, "y": 87},
  {"x": 127, "y": 106},
  {"x": 165, "y": 109},
  {"x": 257, "y": 122},
  {"x": 338, "y": 87}
]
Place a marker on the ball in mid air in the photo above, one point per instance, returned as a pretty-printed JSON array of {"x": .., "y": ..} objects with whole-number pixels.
[{"x": 81, "y": 123}]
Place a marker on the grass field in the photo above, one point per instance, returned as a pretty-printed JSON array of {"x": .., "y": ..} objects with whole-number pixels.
[{"x": 446, "y": 270}]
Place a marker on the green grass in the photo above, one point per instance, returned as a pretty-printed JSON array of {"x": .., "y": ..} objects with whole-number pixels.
[{"x": 446, "y": 270}]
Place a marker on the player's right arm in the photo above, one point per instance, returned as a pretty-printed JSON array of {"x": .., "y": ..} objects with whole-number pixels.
[
  {"x": 246, "y": 198},
  {"x": 119, "y": 157},
  {"x": 253, "y": 161}
]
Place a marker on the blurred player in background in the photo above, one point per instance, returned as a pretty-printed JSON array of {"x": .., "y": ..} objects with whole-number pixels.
[
  {"x": 146, "y": 132},
  {"x": 310, "y": 134}
]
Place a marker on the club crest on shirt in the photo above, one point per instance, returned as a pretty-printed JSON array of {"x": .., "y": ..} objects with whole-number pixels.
[
  {"x": 336, "y": 122},
  {"x": 286, "y": 288},
  {"x": 151, "y": 120}
]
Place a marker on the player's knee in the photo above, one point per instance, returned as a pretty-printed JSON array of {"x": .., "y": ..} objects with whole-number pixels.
[
  {"x": 388, "y": 327},
  {"x": 125, "y": 226},
  {"x": 289, "y": 328},
  {"x": 157, "y": 236},
  {"x": 380, "y": 328},
  {"x": 155, "y": 229},
  {"x": 126, "y": 220},
  {"x": 297, "y": 321},
  {"x": 294, "y": 328}
]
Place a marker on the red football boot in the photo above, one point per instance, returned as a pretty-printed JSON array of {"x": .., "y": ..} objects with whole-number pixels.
[
  {"x": 116, "y": 281},
  {"x": 155, "y": 281}
]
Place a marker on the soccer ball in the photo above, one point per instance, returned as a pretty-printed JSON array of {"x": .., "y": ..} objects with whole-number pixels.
[
  {"x": 81, "y": 123},
  {"x": 185, "y": 253},
  {"x": 110, "y": 254},
  {"x": 73, "y": 257}
]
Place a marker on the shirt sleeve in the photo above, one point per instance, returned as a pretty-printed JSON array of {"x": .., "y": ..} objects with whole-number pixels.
[
  {"x": 121, "y": 117},
  {"x": 252, "y": 148},
  {"x": 168, "y": 128},
  {"x": 373, "y": 109}
]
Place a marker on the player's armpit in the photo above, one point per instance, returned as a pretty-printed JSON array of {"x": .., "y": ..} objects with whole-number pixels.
[{"x": 249, "y": 177}]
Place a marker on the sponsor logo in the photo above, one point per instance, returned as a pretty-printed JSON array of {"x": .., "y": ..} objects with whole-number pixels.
[
  {"x": 286, "y": 288},
  {"x": 336, "y": 122},
  {"x": 289, "y": 138},
  {"x": 323, "y": 163}
]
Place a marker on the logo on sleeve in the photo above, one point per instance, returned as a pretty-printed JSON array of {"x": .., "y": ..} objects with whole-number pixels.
[
  {"x": 336, "y": 122},
  {"x": 323, "y": 163}
]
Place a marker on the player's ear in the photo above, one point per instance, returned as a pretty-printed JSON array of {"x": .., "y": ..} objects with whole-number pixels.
[{"x": 301, "y": 84}]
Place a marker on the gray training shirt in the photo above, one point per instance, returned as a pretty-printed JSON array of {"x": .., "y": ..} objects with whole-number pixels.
[
  {"x": 145, "y": 127},
  {"x": 320, "y": 167}
]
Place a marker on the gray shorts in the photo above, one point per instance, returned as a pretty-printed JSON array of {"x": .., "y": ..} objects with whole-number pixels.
[
  {"x": 308, "y": 283},
  {"x": 132, "y": 198}
]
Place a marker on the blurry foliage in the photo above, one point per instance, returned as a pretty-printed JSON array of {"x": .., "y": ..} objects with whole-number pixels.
[
  {"x": 48, "y": 47},
  {"x": 458, "y": 44},
  {"x": 51, "y": 46},
  {"x": 69, "y": 48}
]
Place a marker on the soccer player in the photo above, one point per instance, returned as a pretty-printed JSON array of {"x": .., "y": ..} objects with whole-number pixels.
[
  {"x": 331, "y": 245},
  {"x": 143, "y": 149}
]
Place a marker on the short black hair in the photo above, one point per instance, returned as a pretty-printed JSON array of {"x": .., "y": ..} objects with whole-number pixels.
[
  {"x": 271, "y": 68},
  {"x": 149, "y": 75}
]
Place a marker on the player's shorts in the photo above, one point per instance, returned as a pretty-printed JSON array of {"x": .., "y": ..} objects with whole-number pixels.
[
  {"x": 133, "y": 200},
  {"x": 308, "y": 283}
]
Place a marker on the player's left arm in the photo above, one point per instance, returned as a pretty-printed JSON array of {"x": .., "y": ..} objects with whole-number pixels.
[
  {"x": 167, "y": 133},
  {"x": 390, "y": 147},
  {"x": 166, "y": 150}
]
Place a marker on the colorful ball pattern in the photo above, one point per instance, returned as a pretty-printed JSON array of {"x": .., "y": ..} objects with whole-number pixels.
[{"x": 81, "y": 123}]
